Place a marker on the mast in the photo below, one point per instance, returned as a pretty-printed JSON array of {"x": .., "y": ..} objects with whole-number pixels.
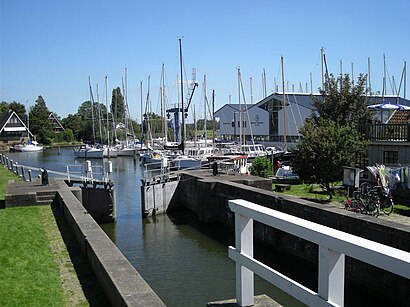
[
  {"x": 182, "y": 93},
  {"x": 213, "y": 120},
  {"x": 240, "y": 106},
  {"x": 108, "y": 125},
  {"x": 99, "y": 114},
  {"x": 322, "y": 52},
  {"x": 369, "y": 80},
  {"x": 141, "y": 102},
  {"x": 250, "y": 84},
  {"x": 205, "y": 105},
  {"x": 163, "y": 104},
  {"x": 284, "y": 103},
  {"x": 92, "y": 107}
]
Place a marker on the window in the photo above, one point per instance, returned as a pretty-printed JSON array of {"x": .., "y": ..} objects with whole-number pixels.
[{"x": 390, "y": 157}]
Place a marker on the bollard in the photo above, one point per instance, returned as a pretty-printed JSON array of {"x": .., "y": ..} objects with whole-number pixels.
[
  {"x": 44, "y": 176},
  {"x": 29, "y": 175},
  {"x": 214, "y": 168}
]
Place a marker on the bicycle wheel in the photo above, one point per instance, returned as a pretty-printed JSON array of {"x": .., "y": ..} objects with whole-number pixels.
[
  {"x": 387, "y": 205},
  {"x": 358, "y": 206},
  {"x": 372, "y": 208},
  {"x": 365, "y": 192}
]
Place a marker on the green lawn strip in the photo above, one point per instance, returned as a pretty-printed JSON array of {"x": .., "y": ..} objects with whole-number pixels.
[
  {"x": 5, "y": 176},
  {"x": 29, "y": 275}
]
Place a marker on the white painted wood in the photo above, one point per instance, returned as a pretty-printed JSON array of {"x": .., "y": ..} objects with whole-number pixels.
[
  {"x": 333, "y": 246},
  {"x": 244, "y": 276}
]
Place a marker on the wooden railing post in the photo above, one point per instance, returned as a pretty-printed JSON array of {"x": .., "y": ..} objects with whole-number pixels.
[
  {"x": 244, "y": 245},
  {"x": 331, "y": 275}
]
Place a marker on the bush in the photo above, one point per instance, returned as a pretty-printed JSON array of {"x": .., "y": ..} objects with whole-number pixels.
[{"x": 261, "y": 167}]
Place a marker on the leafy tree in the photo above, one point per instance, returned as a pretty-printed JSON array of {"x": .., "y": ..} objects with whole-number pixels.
[
  {"x": 118, "y": 106},
  {"x": 39, "y": 122},
  {"x": 17, "y": 107},
  {"x": 329, "y": 137},
  {"x": 261, "y": 167},
  {"x": 342, "y": 102},
  {"x": 325, "y": 148},
  {"x": 73, "y": 123}
]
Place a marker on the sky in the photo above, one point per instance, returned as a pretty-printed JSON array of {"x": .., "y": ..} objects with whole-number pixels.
[{"x": 51, "y": 48}]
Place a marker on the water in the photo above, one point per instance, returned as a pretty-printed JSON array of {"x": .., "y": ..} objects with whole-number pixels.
[{"x": 182, "y": 265}]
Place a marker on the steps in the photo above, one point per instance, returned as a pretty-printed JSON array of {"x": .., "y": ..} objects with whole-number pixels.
[{"x": 45, "y": 197}]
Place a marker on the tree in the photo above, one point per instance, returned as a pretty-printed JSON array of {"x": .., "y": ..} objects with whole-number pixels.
[
  {"x": 323, "y": 151},
  {"x": 261, "y": 167},
  {"x": 118, "y": 106},
  {"x": 17, "y": 107},
  {"x": 40, "y": 124},
  {"x": 342, "y": 102},
  {"x": 329, "y": 137}
]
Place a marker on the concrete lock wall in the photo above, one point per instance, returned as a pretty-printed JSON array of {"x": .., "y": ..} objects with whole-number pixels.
[
  {"x": 121, "y": 282},
  {"x": 208, "y": 199},
  {"x": 99, "y": 202},
  {"x": 156, "y": 197}
]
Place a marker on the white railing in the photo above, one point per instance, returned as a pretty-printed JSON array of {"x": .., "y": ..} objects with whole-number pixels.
[{"x": 333, "y": 246}]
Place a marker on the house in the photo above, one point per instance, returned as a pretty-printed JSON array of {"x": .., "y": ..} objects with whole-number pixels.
[
  {"x": 57, "y": 126},
  {"x": 12, "y": 128}
]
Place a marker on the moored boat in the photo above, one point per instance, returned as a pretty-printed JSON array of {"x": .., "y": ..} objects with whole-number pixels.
[{"x": 88, "y": 152}]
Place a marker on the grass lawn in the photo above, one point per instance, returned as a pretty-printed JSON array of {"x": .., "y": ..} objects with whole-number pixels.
[
  {"x": 35, "y": 267},
  {"x": 5, "y": 176},
  {"x": 316, "y": 194},
  {"x": 29, "y": 275}
]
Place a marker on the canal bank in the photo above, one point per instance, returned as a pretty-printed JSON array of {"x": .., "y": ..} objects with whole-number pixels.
[{"x": 206, "y": 197}]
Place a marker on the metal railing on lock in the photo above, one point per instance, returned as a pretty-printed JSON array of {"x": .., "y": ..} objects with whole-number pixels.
[{"x": 333, "y": 246}]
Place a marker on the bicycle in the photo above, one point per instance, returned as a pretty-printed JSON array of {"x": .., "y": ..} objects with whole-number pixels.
[
  {"x": 355, "y": 204},
  {"x": 382, "y": 199}
]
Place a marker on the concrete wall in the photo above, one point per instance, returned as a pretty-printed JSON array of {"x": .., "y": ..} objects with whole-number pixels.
[
  {"x": 207, "y": 198},
  {"x": 156, "y": 197},
  {"x": 121, "y": 282}
]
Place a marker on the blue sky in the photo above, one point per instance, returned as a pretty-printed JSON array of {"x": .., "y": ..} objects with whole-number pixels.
[{"x": 50, "y": 47}]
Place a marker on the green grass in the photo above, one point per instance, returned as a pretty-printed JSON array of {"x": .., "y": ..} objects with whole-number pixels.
[
  {"x": 5, "y": 176},
  {"x": 29, "y": 275},
  {"x": 312, "y": 192}
]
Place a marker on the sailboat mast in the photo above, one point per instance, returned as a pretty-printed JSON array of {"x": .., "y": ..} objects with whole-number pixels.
[
  {"x": 182, "y": 93},
  {"x": 99, "y": 115},
  {"x": 205, "y": 105},
  {"x": 92, "y": 107},
  {"x": 284, "y": 103},
  {"x": 163, "y": 104},
  {"x": 240, "y": 106},
  {"x": 213, "y": 120}
]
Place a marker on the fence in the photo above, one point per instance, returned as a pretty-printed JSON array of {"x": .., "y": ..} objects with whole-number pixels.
[{"x": 333, "y": 246}]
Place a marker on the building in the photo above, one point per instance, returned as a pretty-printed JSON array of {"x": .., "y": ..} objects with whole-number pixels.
[
  {"x": 265, "y": 122},
  {"x": 57, "y": 126},
  {"x": 12, "y": 129}
]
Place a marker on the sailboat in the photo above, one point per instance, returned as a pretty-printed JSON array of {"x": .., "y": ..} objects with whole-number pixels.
[
  {"x": 90, "y": 151},
  {"x": 30, "y": 146}
]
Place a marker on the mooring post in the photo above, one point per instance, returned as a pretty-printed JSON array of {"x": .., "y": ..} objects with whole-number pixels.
[{"x": 22, "y": 173}]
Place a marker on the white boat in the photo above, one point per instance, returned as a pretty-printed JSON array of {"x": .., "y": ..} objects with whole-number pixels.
[
  {"x": 112, "y": 152},
  {"x": 186, "y": 162},
  {"x": 125, "y": 151},
  {"x": 253, "y": 151},
  {"x": 88, "y": 152},
  {"x": 30, "y": 147},
  {"x": 154, "y": 160}
]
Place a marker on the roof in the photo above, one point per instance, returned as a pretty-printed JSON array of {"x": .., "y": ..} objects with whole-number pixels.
[
  {"x": 56, "y": 122},
  {"x": 5, "y": 122},
  {"x": 305, "y": 100}
]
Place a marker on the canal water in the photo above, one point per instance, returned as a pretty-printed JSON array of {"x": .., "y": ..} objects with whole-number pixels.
[{"x": 183, "y": 266}]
